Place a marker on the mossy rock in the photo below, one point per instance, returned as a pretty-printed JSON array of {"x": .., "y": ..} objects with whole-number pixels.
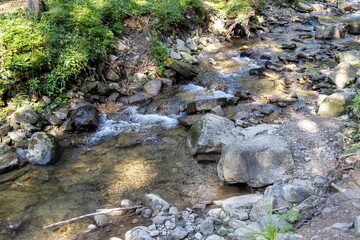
[{"x": 336, "y": 104}]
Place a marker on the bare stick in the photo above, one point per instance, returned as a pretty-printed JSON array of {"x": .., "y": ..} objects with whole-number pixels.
[{"x": 102, "y": 211}]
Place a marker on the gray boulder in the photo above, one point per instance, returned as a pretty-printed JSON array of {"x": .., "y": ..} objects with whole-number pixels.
[
  {"x": 258, "y": 161},
  {"x": 179, "y": 233},
  {"x": 8, "y": 161},
  {"x": 297, "y": 191},
  {"x": 4, "y": 129},
  {"x": 153, "y": 87},
  {"x": 303, "y": 7},
  {"x": 352, "y": 57},
  {"x": 186, "y": 70},
  {"x": 335, "y": 104},
  {"x": 138, "y": 233},
  {"x": 330, "y": 32},
  {"x": 84, "y": 118},
  {"x": 215, "y": 237},
  {"x": 25, "y": 115},
  {"x": 43, "y": 149},
  {"x": 205, "y": 104},
  {"x": 262, "y": 208},
  {"x": 155, "y": 202},
  {"x": 207, "y": 226},
  {"x": 17, "y": 136},
  {"x": 140, "y": 98},
  {"x": 343, "y": 74},
  {"x": 208, "y": 135},
  {"x": 354, "y": 26},
  {"x": 236, "y": 206}
]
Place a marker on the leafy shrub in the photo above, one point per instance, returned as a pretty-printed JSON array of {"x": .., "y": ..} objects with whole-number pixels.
[
  {"x": 355, "y": 106},
  {"x": 160, "y": 53},
  {"x": 71, "y": 37}
]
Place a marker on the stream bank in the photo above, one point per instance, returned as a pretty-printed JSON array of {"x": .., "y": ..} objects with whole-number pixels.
[{"x": 274, "y": 78}]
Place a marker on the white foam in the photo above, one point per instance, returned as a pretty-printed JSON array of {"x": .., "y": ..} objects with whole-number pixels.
[
  {"x": 214, "y": 95},
  {"x": 133, "y": 122},
  {"x": 192, "y": 88},
  {"x": 245, "y": 64}
]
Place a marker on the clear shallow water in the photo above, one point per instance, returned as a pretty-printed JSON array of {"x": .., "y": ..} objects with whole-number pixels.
[{"x": 135, "y": 151}]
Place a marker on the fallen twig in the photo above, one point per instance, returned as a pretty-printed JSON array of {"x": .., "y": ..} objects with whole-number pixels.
[{"x": 100, "y": 211}]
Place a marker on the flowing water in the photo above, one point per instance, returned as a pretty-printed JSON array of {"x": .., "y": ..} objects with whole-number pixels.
[{"x": 141, "y": 150}]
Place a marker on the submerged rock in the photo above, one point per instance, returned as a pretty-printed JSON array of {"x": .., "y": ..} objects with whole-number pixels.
[
  {"x": 259, "y": 161},
  {"x": 43, "y": 149}
]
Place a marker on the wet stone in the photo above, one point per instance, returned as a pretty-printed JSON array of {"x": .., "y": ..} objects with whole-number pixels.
[
  {"x": 8, "y": 162},
  {"x": 4, "y": 129}
]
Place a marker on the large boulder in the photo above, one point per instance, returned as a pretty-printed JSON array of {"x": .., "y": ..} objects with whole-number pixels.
[
  {"x": 208, "y": 135},
  {"x": 297, "y": 190},
  {"x": 84, "y": 118},
  {"x": 43, "y": 149},
  {"x": 343, "y": 74},
  {"x": 258, "y": 161},
  {"x": 352, "y": 57},
  {"x": 8, "y": 161},
  {"x": 330, "y": 32},
  {"x": 25, "y": 115},
  {"x": 335, "y": 104}
]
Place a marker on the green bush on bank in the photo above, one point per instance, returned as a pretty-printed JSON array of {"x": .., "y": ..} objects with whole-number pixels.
[{"x": 71, "y": 37}]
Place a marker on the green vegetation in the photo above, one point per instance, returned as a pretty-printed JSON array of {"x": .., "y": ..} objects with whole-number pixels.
[
  {"x": 230, "y": 8},
  {"x": 41, "y": 55},
  {"x": 272, "y": 231},
  {"x": 355, "y": 106},
  {"x": 160, "y": 53}
]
